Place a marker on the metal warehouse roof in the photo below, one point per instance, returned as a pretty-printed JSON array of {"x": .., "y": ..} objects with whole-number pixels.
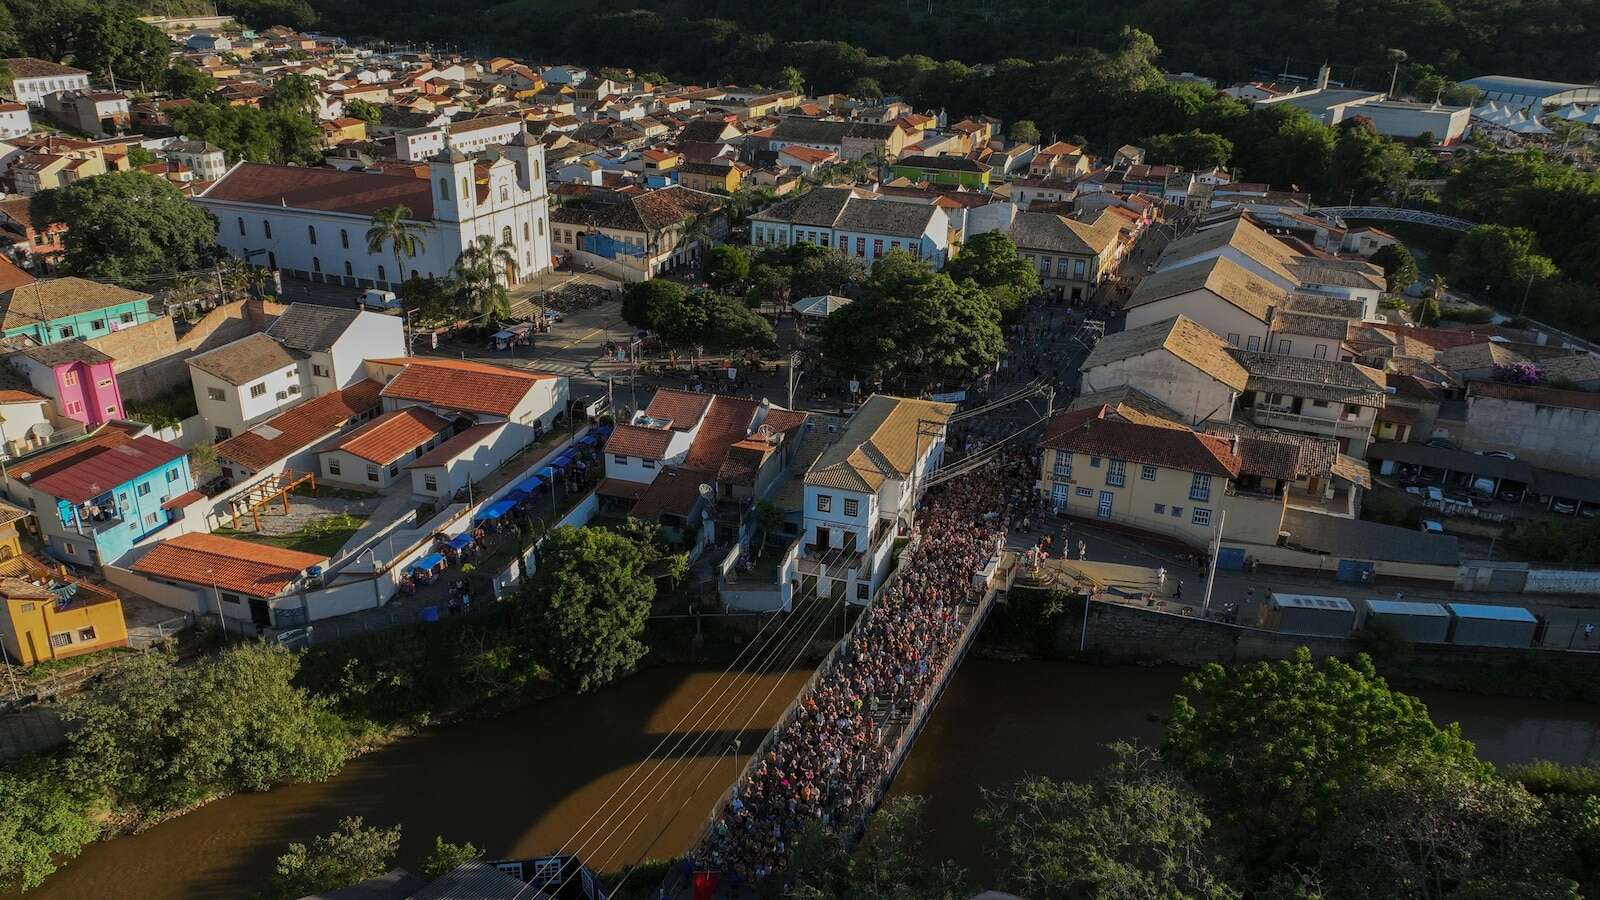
[
  {"x": 1406, "y": 608},
  {"x": 1496, "y": 613},
  {"x": 1523, "y": 92},
  {"x": 1308, "y": 601}
]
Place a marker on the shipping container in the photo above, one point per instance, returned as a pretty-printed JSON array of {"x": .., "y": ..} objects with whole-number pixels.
[
  {"x": 1423, "y": 623},
  {"x": 1307, "y": 614},
  {"x": 1479, "y": 625}
]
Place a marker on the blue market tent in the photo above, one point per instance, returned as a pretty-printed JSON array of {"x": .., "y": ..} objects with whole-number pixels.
[
  {"x": 548, "y": 473},
  {"x": 428, "y": 563},
  {"x": 495, "y": 510},
  {"x": 460, "y": 542},
  {"x": 532, "y": 485},
  {"x": 589, "y": 440}
]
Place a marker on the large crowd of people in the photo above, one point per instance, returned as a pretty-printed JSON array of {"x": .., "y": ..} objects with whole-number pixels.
[{"x": 828, "y": 760}]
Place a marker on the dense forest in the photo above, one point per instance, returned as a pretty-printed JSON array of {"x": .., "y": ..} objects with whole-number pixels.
[{"x": 1225, "y": 39}]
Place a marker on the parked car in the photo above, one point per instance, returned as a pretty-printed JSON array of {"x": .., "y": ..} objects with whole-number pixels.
[
  {"x": 373, "y": 298},
  {"x": 1511, "y": 495},
  {"x": 1500, "y": 454},
  {"x": 1565, "y": 507},
  {"x": 1442, "y": 444},
  {"x": 1429, "y": 526}
]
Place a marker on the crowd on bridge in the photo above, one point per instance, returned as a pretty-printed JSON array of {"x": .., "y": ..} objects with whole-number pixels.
[{"x": 828, "y": 760}]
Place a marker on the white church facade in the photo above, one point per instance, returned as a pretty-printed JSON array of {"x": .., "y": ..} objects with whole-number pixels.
[{"x": 311, "y": 223}]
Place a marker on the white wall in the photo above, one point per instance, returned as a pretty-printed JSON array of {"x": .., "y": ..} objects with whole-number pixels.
[
  {"x": 1209, "y": 310},
  {"x": 238, "y": 410},
  {"x": 1190, "y": 392},
  {"x": 373, "y": 335}
]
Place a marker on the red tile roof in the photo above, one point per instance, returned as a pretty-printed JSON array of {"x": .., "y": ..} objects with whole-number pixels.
[
  {"x": 300, "y": 427},
  {"x": 1541, "y": 396},
  {"x": 463, "y": 385},
  {"x": 675, "y": 491},
  {"x": 683, "y": 408},
  {"x": 636, "y": 440},
  {"x": 10, "y": 396},
  {"x": 13, "y": 276},
  {"x": 1096, "y": 431},
  {"x": 100, "y": 467},
  {"x": 726, "y": 423},
  {"x": 390, "y": 436},
  {"x": 242, "y": 567},
  {"x": 457, "y": 445},
  {"x": 330, "y": 190}
]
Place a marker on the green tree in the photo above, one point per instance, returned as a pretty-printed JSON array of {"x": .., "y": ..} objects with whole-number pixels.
[
  {"x": 1193, "y": 149},
  {"x": 585, "y": 606},
  {"x": 1365, "y": 164},
  {"x": 1276, "y": 746},
  {"x": 661, "y": 306},
  {"x": 733, "y": 327},
  {"x": 257, "y": 135},
  {"x": 110, "y": 40},
  {"x": 138, "y": 156},
  {"x": 396, "y": 227},
  {"x": 125, "y": 224},
  {"x": 913, "y": 327},
  {"x": 350, "y": 854},
  {"x": 445, "y": 857},
  {"x": 1135, "y": 830},
  {"x": 291, "y": 94},
  {"x": 792, "y": 79},
  {"x": 159, "y": 737},
  {"x": 1505, "y": 260},
  {"x": 1399, "y": 268},
  {"x": 992, "y": 262},
  {"x": 431, "y": 298},
  {"x": 1023, "y": 131},
  {"x": 768, "y": 519},
  {"x": 41, "y": 823},
  {"x": 726, "y": 266},
  {"x": 185, "y": 81},
  {"x": 817, "y": 270},
  {"x": 889, "y": 864},
  {"x": 364, "y": 110},
  {"x": 482, "y": 270},
  {"x": 769, "y": 287},
  {"x": 866, "y": 88}
]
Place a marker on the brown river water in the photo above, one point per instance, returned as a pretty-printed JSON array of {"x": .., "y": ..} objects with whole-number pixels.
[{"x": 521, "y": 785}]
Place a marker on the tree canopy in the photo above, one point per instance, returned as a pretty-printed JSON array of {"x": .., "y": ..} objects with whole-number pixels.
[
  {"x": 992, "y": 262},
  {"x": 246, "y": 133},
  {"x": 726, "y": 266},
  {"x": 1399, "y": 267},
  {"x": 347, "y": 855},
  {"x": 125, "y": 224},
  {"x": 585, "y": 606}
]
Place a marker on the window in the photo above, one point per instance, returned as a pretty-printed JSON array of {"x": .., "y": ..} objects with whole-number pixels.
[
  {"x": 824, "y": 503},
  {"x": 241, "y": 226},
  {"x": 174, "y": 475},
  {"x": 344, "y": 239},
  {"x": 430, "y": 483},
  {"x": 825, "y": 238},
  {"x": 63, "y": 639},
  {"x": 394, "y": 470},
  {"x": 1062, "y": 470},
  {"x": 1094, "y": 462},
  {"x": 527, "y": 235},
  {"x": 1161, "y": 509},
  {"x": 125, "y": 318},
  {"x": 1283, "y": 347},
  {"x": 1233, "y": 339},
  {"x": 619, "y": 459},
  {"x": 505, "y": 235},
  {"x": 97, "y": 324},
  {"x": 311, "y": 234},
  {"x": 316, "y": 264},
  {"x": 1321, "y": 352},
  {"x": 105, "y": 383},
  {"x": 266, "y": 228},
  {"x": 1062, "y": 265},
  {"x": 1177, "y": 512},
  {"x": 231, "y": 598},
  {"x": 466, "y": 190},
  {"x": 70, "y": 379},
  {"x": 1147, "y": 473},
  {"x": 877, "y": 247},
  {"x": 1104, "y": 508},
  {"x": 861, "y": 246},
  {"x": 647, "y": 462},
  {"x": 372, "y": 473},
  {"x": 1044, "y": 266},
  {"x": 215, "y": 394},
  {"x": 258, "y": 390},
  {"x": 224, "y": 433},
  {"x": 1320, "y": 404},
  {"x": 68, "y": 331},
  {"x": 894, "y": 245},
  {"x": 318, "y": 370},
  {"x": 505, "y": 194},
  {"x": 294, "y": 389},
  {"x": 382, "y": 275},
  {"x": 333, "y": 465},
  {"x": 74, "y": 407},
  {"x": 1077, "y": 269},
  {"x": 863, "y": 591},
  {"x": 852, "y": 507},
  {"x": 1202, "y": 516},
  {"x": 150, "y": 519},
  {"x": 1254, "y": 342},
  {"x": 144, "y": 489},
  {"x": 1116, "y": 472},
  {"x": 1200, "y": 487},
  {"x": 348, "y": 271},
  {"x": 1084, "y": 492}
]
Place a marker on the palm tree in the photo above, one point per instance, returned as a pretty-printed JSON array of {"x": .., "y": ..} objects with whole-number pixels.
[
  {"x": 479, "y": 270},
  {"x": 694, "y": 230},
  {"x": 393, "y": 226}
]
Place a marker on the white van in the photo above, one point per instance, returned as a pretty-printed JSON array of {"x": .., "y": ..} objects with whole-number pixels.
[{"x": 372, "y": 298}]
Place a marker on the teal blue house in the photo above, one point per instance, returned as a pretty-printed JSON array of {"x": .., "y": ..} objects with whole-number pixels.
[{"x": 65, "y": 309}]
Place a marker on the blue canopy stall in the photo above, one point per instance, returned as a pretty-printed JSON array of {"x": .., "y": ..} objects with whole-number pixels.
[
  {"x": 589, "y": 440},
  {"x": 495, "y": 510},
  {"x": 531, "y": 485},
  {"x": 428, "y": 563},
  {"x": 548, "y": 473},
  {"x": 460, "y": 542}
]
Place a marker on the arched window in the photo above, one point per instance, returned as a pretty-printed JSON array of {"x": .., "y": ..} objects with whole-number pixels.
[
  {"x": 344, "y": 239},
  {"x": 525, "y": 233},
  {"x": 541, "y": 228},
  {"x": 266, "y": 228},
  {"x": 311, "y": 233},
  {"x": 348, "y": 270},
  {"x": 241, "y": 226},
  {"x": 316, "y": 264},
  {"x": 444, "y": 189},
  {"x": 535, "y": 165},
  {"x": 505, "y": 235},
  {"x": 466, "y": 190},
  {"x": 382, "y": 275},
  {"x": 505, "y": 194}
]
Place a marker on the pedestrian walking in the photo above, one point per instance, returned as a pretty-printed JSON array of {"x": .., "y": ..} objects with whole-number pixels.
[
  {"x": 1588, "y": 631},
  {"x": 1161, "y": 577},
  {"x": 1178, "y": 594},
  {"x": 1083, "y": 550}
]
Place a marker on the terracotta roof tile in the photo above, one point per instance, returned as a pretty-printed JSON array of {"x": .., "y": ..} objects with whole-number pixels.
[
  {"x": 390, "y": 436},
  {"x": 329, "y": 190},
  {"x": 1097, "y": 431},
  {"x": 460, "y": 384},
  {"x": 242, "y": 567},
  {"x": 300, "y": 427},
  {"x": 683, "y": 408},
  {"x": 675, "y": 491},
  {"x": 100, "y": 466},
  {"x": 636, "y": 440},
  {"x": 455, "y": 446}
]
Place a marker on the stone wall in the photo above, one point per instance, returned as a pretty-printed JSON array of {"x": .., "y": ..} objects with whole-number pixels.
[{"x": 151, "y": 359}]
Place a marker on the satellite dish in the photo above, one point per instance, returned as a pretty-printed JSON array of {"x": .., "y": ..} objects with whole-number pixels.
[
  {"x": 707, "y": 493},
  {"x": 766, "y": 432}
]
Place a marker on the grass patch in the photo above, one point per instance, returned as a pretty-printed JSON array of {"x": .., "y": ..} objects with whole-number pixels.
[
  {"x": 322, "y": 537},
  {"x": 50, "y": 668},
  {"x": 164, "y": 410},
  {"x": 333, "y": 492}
]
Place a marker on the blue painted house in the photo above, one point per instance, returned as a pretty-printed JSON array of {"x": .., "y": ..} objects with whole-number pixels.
[
  {"x": 98, "y": 496},
  {"x": 65, "y": 309}
]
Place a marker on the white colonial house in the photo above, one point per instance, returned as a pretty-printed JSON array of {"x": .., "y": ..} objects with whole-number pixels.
[
  {"x": 857, "y": 223},
  {"x": 32, "y": 79},
  {"x": 311, "y": 223},
  {"x": 244, "y": 382},
  {"x": 14, "y": 120},
  {"x": 467, "y": 135}
]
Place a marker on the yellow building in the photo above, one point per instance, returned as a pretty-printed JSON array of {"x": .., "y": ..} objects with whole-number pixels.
[
  {"x": 48, "y": 614},
  {"x": 1124, "y": 466}
]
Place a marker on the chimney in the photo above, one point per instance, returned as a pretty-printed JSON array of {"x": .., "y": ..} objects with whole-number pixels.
[
  {"x": 1233, "y": 445},
  {"x": 1322, "y": 77}
]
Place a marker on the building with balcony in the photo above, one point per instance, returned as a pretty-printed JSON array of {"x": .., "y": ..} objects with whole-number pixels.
[
  {"x": 1327, "y": 398},
  {"x": 47, "y": 613},
  {"x": 862, "y": 491},
  {"x": 98, "y": 496},
  {"x": 64, "y": 309},
  {"x": 642, "y": 235}
]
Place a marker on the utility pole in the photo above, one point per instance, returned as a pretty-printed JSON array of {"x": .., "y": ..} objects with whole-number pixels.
[
  {"x": 1216, "y": 547},
  {"x": 1521, "y": 310},
  {"x": 794, "y": 360}
]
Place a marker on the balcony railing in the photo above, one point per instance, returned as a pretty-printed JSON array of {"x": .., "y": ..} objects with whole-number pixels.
[{"x": 1269, "y": 416}]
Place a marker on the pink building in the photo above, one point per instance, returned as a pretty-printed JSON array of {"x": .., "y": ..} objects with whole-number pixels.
[{"x": 79, "y": 378}]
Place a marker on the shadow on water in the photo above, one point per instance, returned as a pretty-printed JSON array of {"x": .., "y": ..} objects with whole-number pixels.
[
  {"x": 515, "y": 786},
  {"x": 999, "y": 721}
]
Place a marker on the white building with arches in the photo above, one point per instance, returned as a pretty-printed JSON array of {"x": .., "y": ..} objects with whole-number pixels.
[{"x": 311, "y": 223}]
